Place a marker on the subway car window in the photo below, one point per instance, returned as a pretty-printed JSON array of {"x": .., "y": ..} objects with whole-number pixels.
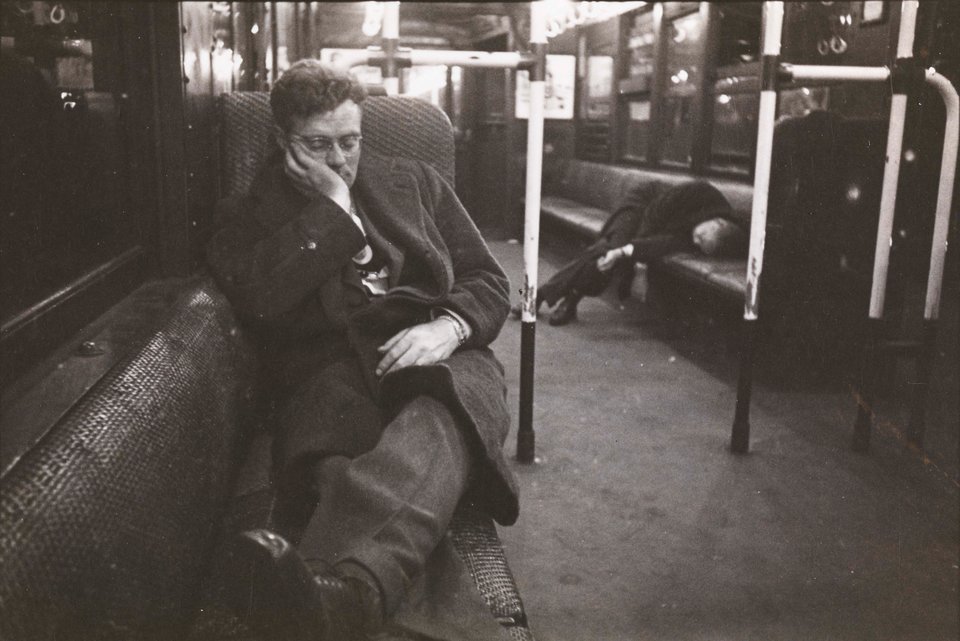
[
  {"x": 739, "y": 26},
  {"x": 637, "y": 83},
  {"x": 685, "y": 38},
  {"x": 734, "y": 125},
  {"x": 735, "y": 90},
  {"x": 68, "y": 164},
  {"x": 479, "y": 320}
]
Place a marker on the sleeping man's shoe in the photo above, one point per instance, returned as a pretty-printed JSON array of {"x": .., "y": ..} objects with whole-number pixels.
[
  {"x": 274, "y": 591},
  {"x": 565, "y": 311}
]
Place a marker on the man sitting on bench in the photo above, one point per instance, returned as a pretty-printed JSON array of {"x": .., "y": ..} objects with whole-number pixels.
[{"x": 373, "y": 298}]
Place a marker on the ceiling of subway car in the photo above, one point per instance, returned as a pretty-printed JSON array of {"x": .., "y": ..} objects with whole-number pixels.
[{"x": 422, "y": 24}]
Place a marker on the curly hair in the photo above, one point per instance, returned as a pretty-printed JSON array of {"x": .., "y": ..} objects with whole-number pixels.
[{"x": 310, "y": 87}]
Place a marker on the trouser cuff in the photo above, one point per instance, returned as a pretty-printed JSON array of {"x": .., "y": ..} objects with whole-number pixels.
[{"x": 381, "y": 569}]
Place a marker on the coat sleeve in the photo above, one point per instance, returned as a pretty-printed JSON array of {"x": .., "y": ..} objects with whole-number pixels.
[
  {"x": 481, "y": 291},
  {"x": 266, "y": 271},
  {"x": 682, "y": 207}
]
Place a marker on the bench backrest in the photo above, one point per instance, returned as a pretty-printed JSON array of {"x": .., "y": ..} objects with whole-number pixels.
[
  {"x": 392, "y": 126},
  {"x": 604, "y": 186}
]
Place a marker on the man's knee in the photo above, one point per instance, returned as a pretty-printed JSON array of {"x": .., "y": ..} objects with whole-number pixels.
[
  {"x": 429, "y": 430},
  {"x": 427, "y": 414}
]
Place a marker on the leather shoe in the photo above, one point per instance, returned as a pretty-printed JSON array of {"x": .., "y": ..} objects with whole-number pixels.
[
  {"x": 274, "y": 591},
  {"x": 565, "y": 311}
]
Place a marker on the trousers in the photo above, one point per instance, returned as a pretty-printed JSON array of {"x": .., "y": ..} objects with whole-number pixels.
[
  {"x": 581, "y": 277},
  {"x": 387, "y": 509}
]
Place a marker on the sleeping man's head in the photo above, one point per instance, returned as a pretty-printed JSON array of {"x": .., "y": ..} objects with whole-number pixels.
[{"x": 720, "y": 237}]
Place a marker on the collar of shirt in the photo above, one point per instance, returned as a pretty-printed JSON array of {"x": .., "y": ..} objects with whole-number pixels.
[{"x": 374, "y": 281}]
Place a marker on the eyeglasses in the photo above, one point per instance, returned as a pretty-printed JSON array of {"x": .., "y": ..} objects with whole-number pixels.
[{"x": 348, "y": 145}]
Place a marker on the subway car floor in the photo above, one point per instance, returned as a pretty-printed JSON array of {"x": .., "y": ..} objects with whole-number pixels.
[{"x": 637, "y": 523}]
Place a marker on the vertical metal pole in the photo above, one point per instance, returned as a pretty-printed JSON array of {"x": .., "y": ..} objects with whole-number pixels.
[
  {"x": 297, "y": 31},
  {"x": 654, "y": 147},
  {"x": 274, "y": 44},
  {"x": 772, "y": 32},
  {"x": 308, "y": 31},
  {"x": 931, "y": 311},
  {"x": 303, "y": 32},
  {"x": 531, "y": 229},
  {"x": 390, "y": 44},
  {"x": 881, "y": 257},
  {"x": 948, "y": 171},
  {"x": 233, "y": 44},
  {"x": 260, "y": 38}
]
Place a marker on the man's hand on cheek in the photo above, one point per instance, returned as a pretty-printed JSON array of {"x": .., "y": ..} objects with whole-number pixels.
[
  {"x": 424, "y": 344},
  {"x": 313, "y": 177}
]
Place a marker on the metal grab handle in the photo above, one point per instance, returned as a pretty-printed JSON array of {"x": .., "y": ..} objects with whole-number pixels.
[
  {"x": 773, "y": 17},
  {"x": 58, "y": 14},
  {"x": 938, "y": 251}
]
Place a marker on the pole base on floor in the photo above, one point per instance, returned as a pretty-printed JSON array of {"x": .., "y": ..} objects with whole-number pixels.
[
  {"x": 740, "y": 434},
  {"x": 740, "y": 437},
  {"x": 525, "y": 446},
  {"x": 525, "y": 431}
]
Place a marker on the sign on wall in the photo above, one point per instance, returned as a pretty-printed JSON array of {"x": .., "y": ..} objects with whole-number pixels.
[
  {"x": 599, "y": 87},
  {"x": 558, "y": 90}
]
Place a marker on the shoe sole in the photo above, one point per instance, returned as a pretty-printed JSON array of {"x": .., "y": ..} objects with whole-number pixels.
[
  {"x": 271, "y": 591},
  {"x": 561, "y": 321}
]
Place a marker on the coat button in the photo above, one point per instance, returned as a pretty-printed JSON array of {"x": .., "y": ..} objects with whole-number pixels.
[{"x": 311, "y": 245}]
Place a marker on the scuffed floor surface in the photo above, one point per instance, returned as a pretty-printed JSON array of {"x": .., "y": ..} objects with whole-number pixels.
[{"x": 637, "y": 523}]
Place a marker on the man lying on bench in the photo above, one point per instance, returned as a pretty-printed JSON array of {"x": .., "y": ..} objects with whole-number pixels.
[
  {"x": 373, "y": 298},
  {"x": 653, "y": 220}
]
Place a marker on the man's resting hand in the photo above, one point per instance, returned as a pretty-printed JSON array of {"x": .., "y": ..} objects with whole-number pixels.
[
  {"x": 424, "y": 344},
  {"x": 606, "y": 262},
  {"x": 313, "y": 177}
]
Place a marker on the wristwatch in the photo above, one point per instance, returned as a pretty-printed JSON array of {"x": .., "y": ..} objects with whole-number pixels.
[{"x": 457, "y": 327}]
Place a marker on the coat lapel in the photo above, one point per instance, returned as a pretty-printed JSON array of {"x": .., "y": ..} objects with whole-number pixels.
[
  {"x": 390, "y": 201},
  {"x": 278, "y": 202},
  {"x": 392, "y": 254},
  {"x": 392, "y": 213}
]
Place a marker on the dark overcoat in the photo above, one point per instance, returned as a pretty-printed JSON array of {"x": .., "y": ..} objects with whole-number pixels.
[
  {"x": 581, "y": 274},
  {"x": 656, "y": 218},
  {"x": 285, "y": 262}
]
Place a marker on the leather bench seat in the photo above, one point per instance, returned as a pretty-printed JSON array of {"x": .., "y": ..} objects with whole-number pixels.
[
  {"x": 115, "y": 523},
  {"x": 582, "y": 219},
  {"x": 594, "y": 184},
  {"x": 726, "y": 275},
  {"x": 580, "y": 196}
]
